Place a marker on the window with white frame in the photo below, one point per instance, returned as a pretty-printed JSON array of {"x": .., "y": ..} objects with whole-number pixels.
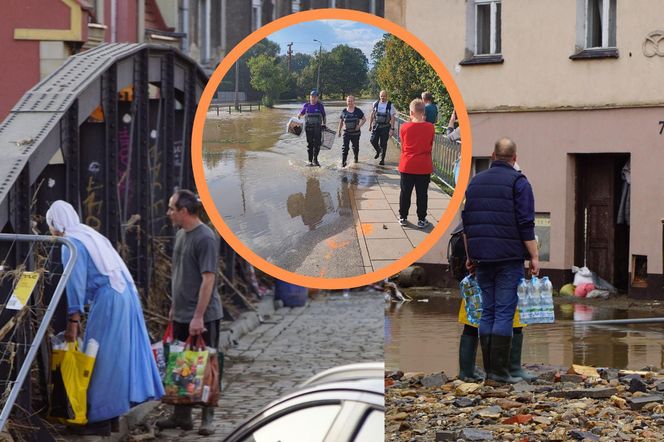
[
  {"x": 487, "y": 27},
  {"x": 600, "y": 23},
  {"x": 256, "y": 12},
  {"x": 595, "y": 29}
]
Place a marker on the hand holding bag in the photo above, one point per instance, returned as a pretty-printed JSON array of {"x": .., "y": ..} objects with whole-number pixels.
[{"x": 192, "y": 374}]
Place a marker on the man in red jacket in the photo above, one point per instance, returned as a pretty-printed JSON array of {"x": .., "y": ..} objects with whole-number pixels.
[{"x": 415, "y": 164}]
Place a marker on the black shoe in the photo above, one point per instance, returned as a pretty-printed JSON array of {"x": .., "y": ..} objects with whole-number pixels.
[
  {"x": 316, "y": 163},
  {"x": 382, "y": 162},
  {"x": 500, "y": 360},
  {"x": 377, "y": 155},
  {"x": 355, "y": 159},
  {"x": 516, "y": 369},
  {"x": 467, "y": 354}
]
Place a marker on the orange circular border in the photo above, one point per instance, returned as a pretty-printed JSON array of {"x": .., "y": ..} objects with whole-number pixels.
[{"x": 197, "y": 149}]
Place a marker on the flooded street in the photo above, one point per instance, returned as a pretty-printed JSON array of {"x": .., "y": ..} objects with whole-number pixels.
[
  {"x": 297, "y": 217},
  {"x": 424, "y": 336}
]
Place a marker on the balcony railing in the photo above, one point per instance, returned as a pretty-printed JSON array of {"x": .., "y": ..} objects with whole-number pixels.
[{"x": 445, "y": 154}]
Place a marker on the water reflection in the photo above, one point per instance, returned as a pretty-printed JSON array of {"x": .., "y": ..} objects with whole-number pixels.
[
  {"x": 425, "y": 337},
  {"x": 312, "y": 206},
  {"x": 281, "y": 209}
]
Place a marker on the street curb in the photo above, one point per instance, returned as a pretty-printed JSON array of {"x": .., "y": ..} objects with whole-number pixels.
[
  {"x": 230, "y": 334},
  {"x": 128, "y": 422}
]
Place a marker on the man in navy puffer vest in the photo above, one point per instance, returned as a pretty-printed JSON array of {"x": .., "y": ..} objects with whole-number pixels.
[{"x": 499, "y": 230}]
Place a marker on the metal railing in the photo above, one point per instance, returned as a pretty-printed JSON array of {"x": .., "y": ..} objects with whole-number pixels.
[
  {"x": 445, "y": 154},
  {"x": 45, "y": 323}
]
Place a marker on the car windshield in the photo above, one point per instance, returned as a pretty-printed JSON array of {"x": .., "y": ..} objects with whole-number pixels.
[{"x": 310, "y": 424}]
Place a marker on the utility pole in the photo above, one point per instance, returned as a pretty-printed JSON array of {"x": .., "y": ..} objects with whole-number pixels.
[
  {"x": 320, "y": 60},
  {"x": 237, "y": 85},
  {"x": 290, "y": 55}
]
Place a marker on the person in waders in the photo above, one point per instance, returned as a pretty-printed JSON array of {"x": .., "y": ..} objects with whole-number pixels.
[
  {"x": 314, "y": 121},
  {"x": 381, "y": 124},
  {"x": 352, "y": 119}
]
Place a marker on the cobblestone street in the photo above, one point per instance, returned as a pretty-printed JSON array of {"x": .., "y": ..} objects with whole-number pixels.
[{"x": 290, "y": 347}]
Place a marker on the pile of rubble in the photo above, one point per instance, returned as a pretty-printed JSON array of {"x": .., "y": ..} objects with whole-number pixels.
[{"x": 579, "y": 403}]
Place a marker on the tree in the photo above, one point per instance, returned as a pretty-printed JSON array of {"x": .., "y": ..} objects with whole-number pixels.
[
  {"x": 299, "y": 61},
  {"x": 268, "y": 76},
  {"x": 377, "y": 54},
  {"x": 348, "y": 71},
  {"x": 344, "y": 70},
  {"x": 264, "y": 46},
  {"x": 405, "y": 74}
]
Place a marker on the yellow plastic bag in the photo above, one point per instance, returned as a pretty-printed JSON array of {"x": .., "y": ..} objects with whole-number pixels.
[
  {"x": 73, "y": 369},
  {"x": 464, "y": 320}
]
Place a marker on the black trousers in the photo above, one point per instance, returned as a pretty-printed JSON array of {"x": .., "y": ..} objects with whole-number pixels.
[
  {"x": 421, "y": 184},
  {"x": 351, "y": 138},
  {"x": 210, "y": 335},
  {"x": 379, "y": 138},
  {"x": 314, "y": 140}
]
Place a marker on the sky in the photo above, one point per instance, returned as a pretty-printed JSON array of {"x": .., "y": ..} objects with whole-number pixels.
[{"x": 331, "y": 33}]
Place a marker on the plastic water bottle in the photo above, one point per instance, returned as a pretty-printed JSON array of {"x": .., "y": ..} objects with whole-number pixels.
[
  {"x": 92, "y": 348},
  {"x": 536, "y": 298},
  {"x": 476, "y": 301},
  {"x": 472, "y": 296},
  {"x": 522, "y": 292},
  {"x": 547, "y": 299}
]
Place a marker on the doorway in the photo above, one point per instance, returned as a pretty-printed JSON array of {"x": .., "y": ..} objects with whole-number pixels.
[{"x": 602, "y": 239}]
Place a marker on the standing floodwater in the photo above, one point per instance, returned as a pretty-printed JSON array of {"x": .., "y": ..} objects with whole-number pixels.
[
  {"x": 297, "y": 217},
  {"x": 425, "y": 337}
]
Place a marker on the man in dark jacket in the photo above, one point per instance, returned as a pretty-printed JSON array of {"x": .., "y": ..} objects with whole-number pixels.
[{"x": 499, "y": 230}]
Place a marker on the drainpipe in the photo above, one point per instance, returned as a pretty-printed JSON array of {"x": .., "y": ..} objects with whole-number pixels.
[
  {"x": 140, "y": 28},
  {"x": 224, "y": 31},
  {"x": 185, "y": 26},
  {"x": 114, "y": 21},
  {"x": 207, "y": 30},
  {"x": 373, "y": 7}
]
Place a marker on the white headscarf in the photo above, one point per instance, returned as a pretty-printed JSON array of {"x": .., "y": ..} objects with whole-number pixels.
[{"x": 63, "y": 218}]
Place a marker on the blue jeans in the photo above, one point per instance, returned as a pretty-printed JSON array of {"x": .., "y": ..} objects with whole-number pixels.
[{"x": 498, "y": 281}]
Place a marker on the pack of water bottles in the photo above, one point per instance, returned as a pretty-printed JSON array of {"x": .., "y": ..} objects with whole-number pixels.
[
  {"x": 535, "y": 300},
  {"x": 472, "y": 295}
]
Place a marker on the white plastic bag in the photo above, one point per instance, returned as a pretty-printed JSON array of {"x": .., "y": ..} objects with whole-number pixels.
[{"x": 582, "y": 275}]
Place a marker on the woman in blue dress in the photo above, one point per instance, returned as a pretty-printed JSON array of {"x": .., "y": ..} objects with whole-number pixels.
[{"x": 125, "y": 372}]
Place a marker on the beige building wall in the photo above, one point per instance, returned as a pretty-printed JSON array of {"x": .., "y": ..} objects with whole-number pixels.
[
  {"x": 555, "y": 107},
  {"x": 547, "y": 143},
  {"x": 538, "y": 36}
]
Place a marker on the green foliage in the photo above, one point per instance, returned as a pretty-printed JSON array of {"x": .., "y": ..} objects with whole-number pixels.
[
  {"x": 405, "y": 74},
  {"x": 299, "y": 61},
  {"x": 264, "y": 46},
  {"x": 268, "y": 76},
  {"x": 344, "y": 70}
]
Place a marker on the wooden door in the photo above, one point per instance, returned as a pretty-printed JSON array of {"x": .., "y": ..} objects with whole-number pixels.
[{"x": 596, "y": 217}]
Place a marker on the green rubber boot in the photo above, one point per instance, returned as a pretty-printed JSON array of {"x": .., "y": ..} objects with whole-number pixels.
[
  {"x": 500, "y": 360},
  {"x": 207, "y": 419},
  {"x": 516, "y": 369},
  {"x": 181, "y": 418},
  {"x": 467, "y": 355}
]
